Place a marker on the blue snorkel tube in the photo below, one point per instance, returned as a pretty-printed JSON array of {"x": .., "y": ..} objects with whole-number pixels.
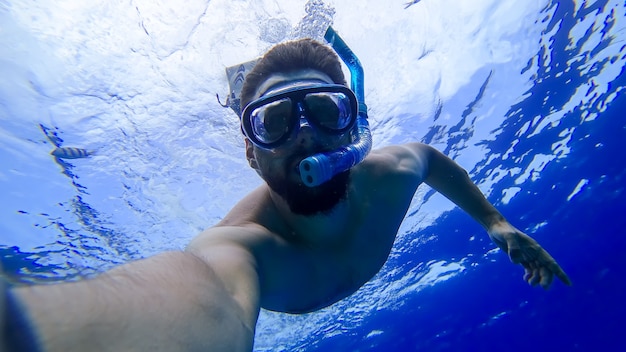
[{"x": 321, "y": 167}]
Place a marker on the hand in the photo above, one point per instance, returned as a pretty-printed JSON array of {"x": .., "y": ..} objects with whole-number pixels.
[{"x": 540, "y": 267}]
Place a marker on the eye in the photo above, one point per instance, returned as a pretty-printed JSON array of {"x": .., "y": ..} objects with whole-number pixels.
[
  {"x": 331, "y": 110},
  {"x": 271, "y": 121}
]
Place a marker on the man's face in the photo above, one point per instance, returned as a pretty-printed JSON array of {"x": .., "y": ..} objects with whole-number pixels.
[{"x": 279, "y": 166}]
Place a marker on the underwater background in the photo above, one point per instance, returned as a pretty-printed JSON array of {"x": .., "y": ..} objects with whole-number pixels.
[{"x": 528, "y": 96}]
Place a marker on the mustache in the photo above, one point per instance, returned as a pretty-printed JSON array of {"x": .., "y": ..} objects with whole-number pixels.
[{"x": 301, "y": 153}]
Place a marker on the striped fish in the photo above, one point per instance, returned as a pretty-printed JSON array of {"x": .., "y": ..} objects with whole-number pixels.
[
  {"x": 406, "y": 6},
  {"x": 70, "y": 153}
]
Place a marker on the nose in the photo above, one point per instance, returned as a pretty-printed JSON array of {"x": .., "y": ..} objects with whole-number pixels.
[{"x": 305, "y": 135}]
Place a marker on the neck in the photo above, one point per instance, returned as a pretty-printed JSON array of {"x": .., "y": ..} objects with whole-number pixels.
[{"x": 281, "y": 204}]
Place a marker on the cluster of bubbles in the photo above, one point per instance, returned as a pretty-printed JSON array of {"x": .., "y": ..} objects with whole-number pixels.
[
  {"x": 274, "y": 30},
  {"x": 317, "y": 19}
]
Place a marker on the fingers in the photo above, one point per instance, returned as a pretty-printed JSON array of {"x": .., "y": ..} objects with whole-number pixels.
[
  {"x": 531, "y": 273},
  {"x": 543, "y": 274},
  {"x": 540, "y": 267},
  {"x": 538, "y": 276},
  {"x": 546, "y": 278},
  {"x": 561, "y": 274},
  {"x": 527, "y": 274},
  {"x": 535, "y": 277}
]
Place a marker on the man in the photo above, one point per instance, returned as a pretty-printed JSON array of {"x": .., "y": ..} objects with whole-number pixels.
[{"x": 285, "y": 247}]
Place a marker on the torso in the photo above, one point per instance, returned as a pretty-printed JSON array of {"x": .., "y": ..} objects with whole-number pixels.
[{"x": 306, "y": 263}]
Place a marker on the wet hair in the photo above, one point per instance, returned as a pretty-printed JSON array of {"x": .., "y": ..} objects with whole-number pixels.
[{"x": 293, "y": 56}]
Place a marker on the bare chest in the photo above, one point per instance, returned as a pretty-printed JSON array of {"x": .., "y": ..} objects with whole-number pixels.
[{"x": 327, "y": 259}]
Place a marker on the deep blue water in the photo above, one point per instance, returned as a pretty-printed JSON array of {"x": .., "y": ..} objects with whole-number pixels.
[
  {"x": 586, "y": 236},
  {"x": 488, "y": 307}
]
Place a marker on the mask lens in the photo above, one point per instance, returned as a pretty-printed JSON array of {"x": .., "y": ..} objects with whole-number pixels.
[
  {"x": 270, "y": 122},
  {"x": 330, "y": 110}
]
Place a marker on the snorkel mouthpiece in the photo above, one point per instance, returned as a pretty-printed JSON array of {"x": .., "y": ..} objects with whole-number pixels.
[
  {"x": 315, "y": 168},
  {"x": 321, "y": 167}
]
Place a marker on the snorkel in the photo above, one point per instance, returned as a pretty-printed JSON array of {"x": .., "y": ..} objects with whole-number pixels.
[{"x": 321, "y": 167}]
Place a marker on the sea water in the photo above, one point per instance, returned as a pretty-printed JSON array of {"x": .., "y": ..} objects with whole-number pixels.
[{"x": 527, "y": 96}]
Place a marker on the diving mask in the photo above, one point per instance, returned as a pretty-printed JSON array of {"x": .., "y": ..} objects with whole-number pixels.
[{"x": 272, "y": 119}]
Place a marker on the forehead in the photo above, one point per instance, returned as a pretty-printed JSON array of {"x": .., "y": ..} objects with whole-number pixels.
[{"x": 277, "y": 79}]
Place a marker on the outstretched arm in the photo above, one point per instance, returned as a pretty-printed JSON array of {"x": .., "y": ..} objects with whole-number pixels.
[
  {"x": 176, "y": 301},
  {"x": 449, "y": 179}
]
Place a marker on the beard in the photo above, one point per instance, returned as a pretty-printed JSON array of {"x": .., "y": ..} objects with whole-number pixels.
[{"x": 305, "y": 200}]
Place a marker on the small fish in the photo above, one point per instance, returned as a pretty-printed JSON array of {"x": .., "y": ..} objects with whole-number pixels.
[
  {"x": 70, "y": 153},
  {"x": 406, "y": 6}
]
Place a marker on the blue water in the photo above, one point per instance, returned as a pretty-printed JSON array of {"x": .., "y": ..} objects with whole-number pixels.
[
  {"x": 585, "y": 233},
  {"x": 551, "y": 160}
]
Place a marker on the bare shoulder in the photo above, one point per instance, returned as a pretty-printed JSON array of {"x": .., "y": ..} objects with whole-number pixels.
[
  {"x": 392, "y": 173},
  {"x": 402, "y": 160},
  {"x": 250, "y": 225}
]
